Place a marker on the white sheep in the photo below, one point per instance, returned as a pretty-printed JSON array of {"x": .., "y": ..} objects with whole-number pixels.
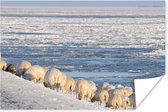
[
  {"x": 54, "y": 78},
  {"x": 85, "y": 89},
  {"x": 109, "y": 87},
  {"x": 124, "y": 91},
  {"x": 93, "y": 89},
  {"x": 129, "y": 91},
  {"x": 81, "y": 89},
  {"x": 117, "y": 101},
  {"x": 114, "y": 101},
  {"x": 101, "y": 96},
  {"x": 63, "y": 82},
  {"x": 3, "y": 65},
  {"x": 35, "y": 73},
  {"x": 22, "y": 67},
  {"x": 125, "y": 101},
  {"x": 70, "y": 84}
]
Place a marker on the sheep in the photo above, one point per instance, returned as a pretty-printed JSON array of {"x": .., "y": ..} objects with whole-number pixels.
[
  {"x": 117, "y": 91},
  {"x": 105, "y": 86},
  {"x": 85, "y": 89},
  {"x": 102, "y": 86},
  {"x": 76, "y": 87},
  {"x": 101, "y": 96},
  {"x": 35, "y": 73},
  {"x": 70, "y": 84},
  {"x": 54, "y": 78},
  {"x": 11, "y": 68},
  {"x": 112, "y": 91},
  {"x": 124, "y": 91},
  {"x": 63, "y": 82},
  {"x": 132, "y": 101},
  {"x": 93, "y": 88},
  {"x": 3, "y": 65},
  {"x": 81, "y": 89},
  {"x": 104, "y": 95},
  {"x": 22, "y": 67},
  {"x": 125, "y": 101},
  {"x": 114, "y": 101},
  {"x": 129, "y": 91},
  {"x": 109, "y": 87},
  {"x": 96, "y": 97},
  {"x": 117, "y": 101}
]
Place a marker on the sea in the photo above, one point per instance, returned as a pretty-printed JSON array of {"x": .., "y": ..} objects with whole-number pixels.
[{"x": 115, "y": 45}]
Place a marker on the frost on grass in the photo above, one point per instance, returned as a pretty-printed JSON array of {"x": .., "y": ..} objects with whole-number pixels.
[{"x": 17, "y": 93}]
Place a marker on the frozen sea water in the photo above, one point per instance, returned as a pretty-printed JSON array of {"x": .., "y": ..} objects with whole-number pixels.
[{"x": 115, "y": 45}]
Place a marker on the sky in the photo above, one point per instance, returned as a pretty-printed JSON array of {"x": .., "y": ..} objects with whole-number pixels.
[{"x": 75, "y": 3}]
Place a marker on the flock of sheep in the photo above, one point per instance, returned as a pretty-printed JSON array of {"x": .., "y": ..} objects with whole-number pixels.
[{"x": 113, "y": 97}]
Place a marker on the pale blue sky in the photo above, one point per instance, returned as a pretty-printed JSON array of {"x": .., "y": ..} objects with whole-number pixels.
[{"x": 85, "y": 3}]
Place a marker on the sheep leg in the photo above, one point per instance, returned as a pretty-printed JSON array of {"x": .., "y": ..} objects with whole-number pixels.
[
  {"x": 100, "y": 102},
  {"x": 62, "y": 89},
  {"x": 52, "y": 87},
  {"x": 77, "y": 95},
  {"x": 34, "y": 80},
  {"x": 81, "y": 97},
  {"x": 57, "y": 86},
  {"x": 117, "y": 106},
  {"x": 41, "y": 81}
]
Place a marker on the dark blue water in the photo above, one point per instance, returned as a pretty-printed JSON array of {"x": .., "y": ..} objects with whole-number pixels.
[
  {"x": 29, "y": 37},
  {"x": 83, "y": 59}
]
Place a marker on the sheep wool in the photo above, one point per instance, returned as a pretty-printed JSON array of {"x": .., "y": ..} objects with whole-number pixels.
[
  {"x": 35, "y": 73},
  {"x": 114, "y": 101},
  {"x": 70, "y": 84},
  {"x": 125, "y": 102},
  {"x": 101, "y": 96},
  {"x": 124, "y": 91},
  {"x": 3, "y": 65},
  {"x": 22, "y": 67},
  {"x": 102, "y": 86},
  {"x": 85, "y": 89},
  {"x": 11, "y": 68},
  {"x": 54, "y": 78}
]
